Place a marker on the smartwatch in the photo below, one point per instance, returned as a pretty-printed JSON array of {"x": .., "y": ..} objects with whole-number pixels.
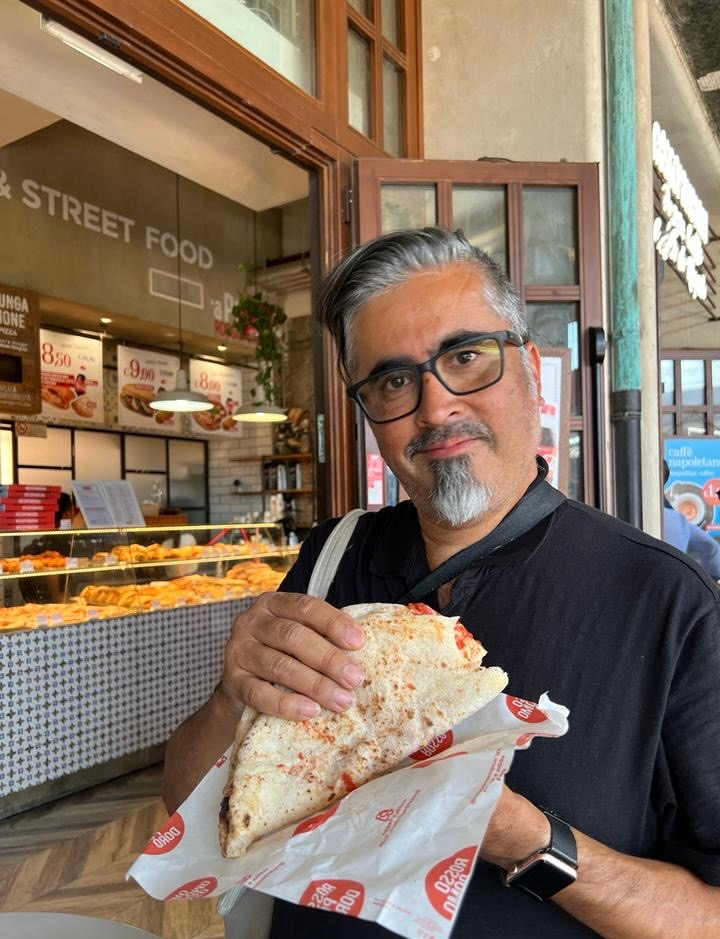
[{"x": 549, "y": 870}]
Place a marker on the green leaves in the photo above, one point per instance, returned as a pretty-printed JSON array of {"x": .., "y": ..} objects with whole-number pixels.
[{"x": 260, "y": 321}]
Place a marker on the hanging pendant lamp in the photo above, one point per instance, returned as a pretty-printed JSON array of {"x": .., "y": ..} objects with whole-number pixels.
[
  {"x": 260, "y": 414},
  {"x": 180, "y": 398}
]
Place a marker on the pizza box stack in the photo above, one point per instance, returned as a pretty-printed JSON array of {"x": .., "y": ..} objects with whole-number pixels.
[{"x": 28, "y": 507}]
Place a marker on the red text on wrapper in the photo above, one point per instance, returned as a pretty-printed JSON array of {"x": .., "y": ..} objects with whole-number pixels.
[
  {"x": 446, "y": 880},
  {"x": 434, "y": 747},
  {"x": 310, "y": 824},
  {"x": 194, "y": 889},
  {"x": 169, "y": 836},
  {"x": 526, "y": 711},
  {"x": 337, "y": 896},
  {"x": 221, "y": 761}
]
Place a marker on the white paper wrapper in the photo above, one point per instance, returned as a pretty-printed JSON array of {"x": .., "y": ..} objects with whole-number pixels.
[{"x": 399, "y": 850}]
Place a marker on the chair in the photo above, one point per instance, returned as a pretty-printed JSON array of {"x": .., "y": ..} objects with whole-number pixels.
[{"x": 66, "y": 926}]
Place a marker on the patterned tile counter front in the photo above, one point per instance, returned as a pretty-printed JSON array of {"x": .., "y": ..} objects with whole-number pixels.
[{"x": 77, "y": 696}]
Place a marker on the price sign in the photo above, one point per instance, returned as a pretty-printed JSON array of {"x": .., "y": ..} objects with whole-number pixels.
[
  {"x": 141, "y": 374},
  {"x": 72, "y": 377},
  {"x": 222, "y": 384}
]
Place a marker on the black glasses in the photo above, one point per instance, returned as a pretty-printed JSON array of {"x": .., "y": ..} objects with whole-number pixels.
[{"x": 463, "y": 368}]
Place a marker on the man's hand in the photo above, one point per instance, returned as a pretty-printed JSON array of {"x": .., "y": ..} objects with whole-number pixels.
[{"x": 298, "y": 642}]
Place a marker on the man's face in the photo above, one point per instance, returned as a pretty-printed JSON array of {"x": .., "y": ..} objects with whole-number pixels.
[{"x": 493, "y": 433}]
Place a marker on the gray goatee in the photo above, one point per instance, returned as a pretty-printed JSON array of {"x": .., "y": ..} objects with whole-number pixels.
[{"x": 457, "y": 497}]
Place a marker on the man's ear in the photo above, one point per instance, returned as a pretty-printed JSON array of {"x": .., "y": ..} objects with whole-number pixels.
[{"x": 536, "y": 368}]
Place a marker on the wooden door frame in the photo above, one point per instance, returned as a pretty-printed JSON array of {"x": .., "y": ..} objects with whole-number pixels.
[{"x": 371, "y": 173}]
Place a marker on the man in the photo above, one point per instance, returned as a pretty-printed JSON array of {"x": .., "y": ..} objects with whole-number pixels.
[
  {"x": 691, "y": 539},
  {"x": 432, "y": 340}
]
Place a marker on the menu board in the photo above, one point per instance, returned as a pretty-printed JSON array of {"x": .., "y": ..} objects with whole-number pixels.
[
  {"x": 108, "y": 504},
  {"x": 141, "y": 374},
  {"x": 19, "y": 359},
  {"x": 71, "y": 377},
  {"x": 222, "y": 384}
]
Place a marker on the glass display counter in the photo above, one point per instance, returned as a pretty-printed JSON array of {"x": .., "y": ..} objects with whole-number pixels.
[
  {"x": 110, "y": 638},
  {"x": 54, "y": 578}
]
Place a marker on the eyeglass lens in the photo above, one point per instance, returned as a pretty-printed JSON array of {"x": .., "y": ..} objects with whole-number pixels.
[{"x": 462, "y": 369}]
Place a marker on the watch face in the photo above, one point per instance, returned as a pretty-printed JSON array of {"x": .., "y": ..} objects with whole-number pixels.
[{"x": 543, "y": 877}]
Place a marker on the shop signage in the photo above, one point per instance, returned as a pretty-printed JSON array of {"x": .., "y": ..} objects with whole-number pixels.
[
  {"x": 223, "y": 385},
  {"x": 71, "y": 377},
  {"x": 19, "y": 361},
  {"x": 694, "y": 482},
  {"x": 141, "y": 374},
  {"x": 114, "y": 211},
  {"x": 681, "y": 230}
]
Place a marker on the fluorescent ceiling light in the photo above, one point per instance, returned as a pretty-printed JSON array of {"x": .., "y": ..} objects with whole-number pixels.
[
  {"x": 181, "y": 398},
  {"x": 260, "y": 414},
  {"x": 90, "y": 49}
]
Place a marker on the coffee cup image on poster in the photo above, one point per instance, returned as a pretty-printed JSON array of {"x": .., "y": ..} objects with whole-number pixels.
[
  {"x": 71, "y": 377},
  {"x": 694, "y": 480}
]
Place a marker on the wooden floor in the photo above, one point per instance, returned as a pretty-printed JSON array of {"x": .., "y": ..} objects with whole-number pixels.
[{"x": 72, "y": 855}]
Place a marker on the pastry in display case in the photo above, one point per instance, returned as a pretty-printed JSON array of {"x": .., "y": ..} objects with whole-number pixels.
[{"x": 58, "y": 577}]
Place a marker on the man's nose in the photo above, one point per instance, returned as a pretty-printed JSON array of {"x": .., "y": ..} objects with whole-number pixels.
[{"x": 436, "y": 402}]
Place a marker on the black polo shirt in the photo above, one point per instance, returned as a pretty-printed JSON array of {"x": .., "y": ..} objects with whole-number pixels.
[{"x": 622, "y": 629}]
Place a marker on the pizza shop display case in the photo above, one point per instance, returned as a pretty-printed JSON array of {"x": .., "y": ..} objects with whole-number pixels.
[{"x": 109, "y": 638}]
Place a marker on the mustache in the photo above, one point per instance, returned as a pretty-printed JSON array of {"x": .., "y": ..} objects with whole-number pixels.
[{"x": 428, "y": 438}]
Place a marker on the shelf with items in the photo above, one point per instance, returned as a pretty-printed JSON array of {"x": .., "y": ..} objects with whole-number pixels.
[
  {"x": 281, "y": 472},
  {"x": 99, "y": 573}
]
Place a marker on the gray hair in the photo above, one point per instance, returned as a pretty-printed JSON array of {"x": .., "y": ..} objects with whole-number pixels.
[{"x": 389, "y": 261}]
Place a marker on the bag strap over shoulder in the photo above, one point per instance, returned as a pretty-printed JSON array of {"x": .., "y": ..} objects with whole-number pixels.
[
  {"x": 331, "y": 553},
  {"x": 248, "y": 913}
]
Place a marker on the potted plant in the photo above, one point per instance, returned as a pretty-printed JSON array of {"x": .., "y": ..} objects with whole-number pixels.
[{"x": 255, "y": 318}]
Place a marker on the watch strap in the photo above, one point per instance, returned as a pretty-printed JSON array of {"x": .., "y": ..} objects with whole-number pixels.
[{"x": 562, "y": 840}]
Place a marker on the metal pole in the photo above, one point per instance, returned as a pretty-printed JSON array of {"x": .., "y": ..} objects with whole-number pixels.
[{"x": 624, "y": 306}]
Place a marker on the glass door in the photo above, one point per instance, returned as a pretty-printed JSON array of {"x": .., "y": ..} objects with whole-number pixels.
[{"x": 540, "y": 221}]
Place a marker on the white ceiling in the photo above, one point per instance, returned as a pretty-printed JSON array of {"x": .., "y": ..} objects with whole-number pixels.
[{"x": 42, "y": 79}]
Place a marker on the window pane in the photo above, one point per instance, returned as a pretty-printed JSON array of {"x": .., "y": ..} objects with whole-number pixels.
[
  {"x": 97, "y": 456},
  {"x": 391, "y": 21},
  {"x": 280, "y": 32},
  {"x": 667, "y": 377},
  {"x": 45, "y": 477},
  {"x": 480, "y": 212},
  {"x": 576, "y": 488},
  {"x": 668, "y": 424},
  {"x": 145, "y": 453},
  {"x": 692, "y": 424},
  {"x": 392, "y": 109},
  {"x": 362, "y": 6},
  {"x": 407, "y": 207},
  {"x": 716, "y": 381},
  {"x": 53, "y": 450},
  {"x": 187, "y": 473},
  {"x": 692, "y": 381},
  {"x": 143, "y": 485},
  {"x": 359, "y": 83},
  {"x": 550, "y": 234},
  {"x": 557, "y": 325}
]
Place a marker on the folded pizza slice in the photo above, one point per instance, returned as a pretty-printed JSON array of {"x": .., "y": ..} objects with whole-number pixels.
[{"x": 423, "y": 675}]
